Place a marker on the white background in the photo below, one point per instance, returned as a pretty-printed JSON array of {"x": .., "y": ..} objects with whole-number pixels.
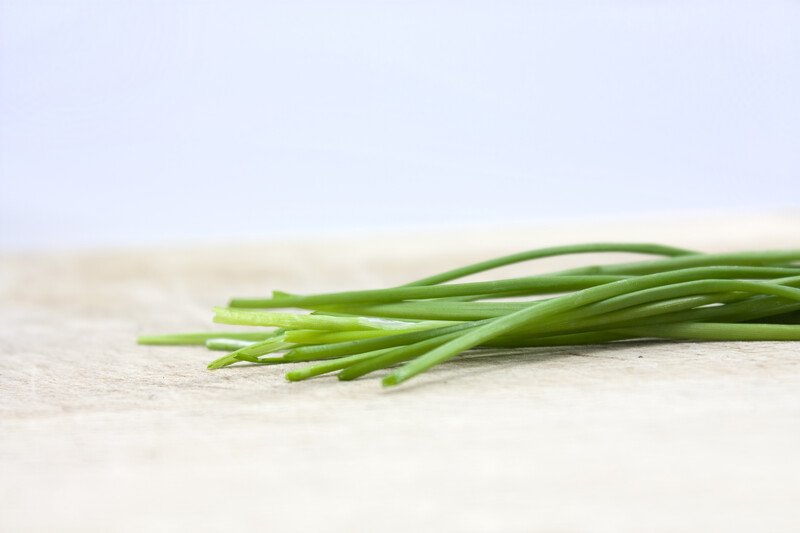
[{"x": 152, "y": 122}]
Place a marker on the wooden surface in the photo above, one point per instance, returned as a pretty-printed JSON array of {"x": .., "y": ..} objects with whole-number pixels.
[{"x": 99, "y": 434}]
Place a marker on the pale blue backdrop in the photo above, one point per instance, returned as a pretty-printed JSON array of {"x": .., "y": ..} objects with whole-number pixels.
[{"x": 152, "y": 122}]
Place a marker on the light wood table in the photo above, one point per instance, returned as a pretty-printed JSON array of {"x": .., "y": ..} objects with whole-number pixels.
[{"x": 99, "y": 434}]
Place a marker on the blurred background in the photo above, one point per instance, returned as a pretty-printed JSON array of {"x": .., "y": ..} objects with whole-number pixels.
[{"x": 150, "y": 122}]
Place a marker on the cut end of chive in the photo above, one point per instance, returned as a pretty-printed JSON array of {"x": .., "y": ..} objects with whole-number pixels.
[
  {"x": 391, "y": 380},
  {"x": 222, "y": 362},
  {"x": 162, "y": 340},
  {"x": 296, "y": 375},
  {"x": 219, "y": 363}
]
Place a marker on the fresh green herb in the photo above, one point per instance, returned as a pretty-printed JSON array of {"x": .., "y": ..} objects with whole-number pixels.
[{"x": 683, "y": 295}]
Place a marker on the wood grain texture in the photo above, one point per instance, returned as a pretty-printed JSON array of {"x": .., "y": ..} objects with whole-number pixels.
[{"x": 99, "y": 434}]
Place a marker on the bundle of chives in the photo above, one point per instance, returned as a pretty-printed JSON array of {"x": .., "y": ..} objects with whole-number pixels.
[{"x": 683, "y": 295}]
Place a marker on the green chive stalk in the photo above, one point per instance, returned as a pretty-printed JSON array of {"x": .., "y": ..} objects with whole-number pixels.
[{"x": 679, "y": 295}]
